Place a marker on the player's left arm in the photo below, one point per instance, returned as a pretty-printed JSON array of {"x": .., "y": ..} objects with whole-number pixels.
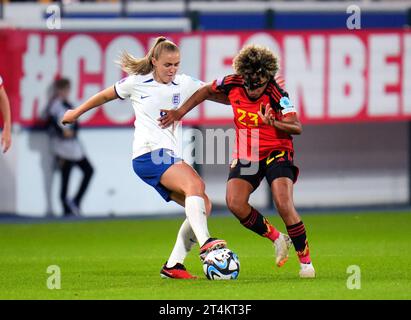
[{"x": 289, "y": 122}]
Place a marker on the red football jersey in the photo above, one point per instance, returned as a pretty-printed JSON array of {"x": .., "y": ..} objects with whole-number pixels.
[{"x": 255, "y": 140}]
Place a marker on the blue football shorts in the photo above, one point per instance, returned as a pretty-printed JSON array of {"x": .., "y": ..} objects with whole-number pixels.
[{"x": 151, "y": 166}]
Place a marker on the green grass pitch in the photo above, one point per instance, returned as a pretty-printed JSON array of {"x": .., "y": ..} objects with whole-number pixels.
[{"x": 121, "y": 259}]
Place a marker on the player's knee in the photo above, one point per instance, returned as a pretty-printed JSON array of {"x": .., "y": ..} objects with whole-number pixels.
[
  {"x": 235, "y": 205},
  {"x": 284, "y": 206},
  {"x": 195, "y": 187}
]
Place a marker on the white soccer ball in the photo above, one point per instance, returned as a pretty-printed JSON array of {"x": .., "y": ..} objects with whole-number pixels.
[{"x": 221, "y": 264}]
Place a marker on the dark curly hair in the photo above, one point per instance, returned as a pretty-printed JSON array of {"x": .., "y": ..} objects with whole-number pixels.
[{"x": 254, "y": 61}]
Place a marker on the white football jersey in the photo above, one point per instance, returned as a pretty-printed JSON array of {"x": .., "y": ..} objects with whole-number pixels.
[{"x": 147, "y": 98}]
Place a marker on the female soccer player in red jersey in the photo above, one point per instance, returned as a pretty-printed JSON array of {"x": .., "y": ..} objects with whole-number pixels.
[{"x": 265, "y": 121}]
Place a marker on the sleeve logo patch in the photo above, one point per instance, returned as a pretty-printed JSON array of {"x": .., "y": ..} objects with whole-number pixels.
[{"x": 285, "y": 103}]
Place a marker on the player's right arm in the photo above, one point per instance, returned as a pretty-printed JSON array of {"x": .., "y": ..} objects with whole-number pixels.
[
  {"x": 98, "y": 99},
  {"x": 206, "y": 92}
]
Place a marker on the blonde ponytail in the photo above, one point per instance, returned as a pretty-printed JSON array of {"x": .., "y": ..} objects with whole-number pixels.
[{"x": 132, "y": 65}]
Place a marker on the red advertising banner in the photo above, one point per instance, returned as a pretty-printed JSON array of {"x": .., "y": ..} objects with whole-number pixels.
[{"x": 335, "y": 76}]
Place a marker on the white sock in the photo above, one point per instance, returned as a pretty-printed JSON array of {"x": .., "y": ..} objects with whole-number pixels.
[
  {"x": 196, "y": 215},
  {"x": 185, "y": 241}
]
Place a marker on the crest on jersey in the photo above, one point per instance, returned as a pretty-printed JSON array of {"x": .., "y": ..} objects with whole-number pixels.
[{"x": 176, "y": 99}]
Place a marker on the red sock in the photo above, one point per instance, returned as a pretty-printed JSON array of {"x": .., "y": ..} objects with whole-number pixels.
[
  {"x": 304, "y": 255},
  {"x": 298, "y": 236},
  {"x": 272, "y": 232},
  {"x": 256, "y": 222}
]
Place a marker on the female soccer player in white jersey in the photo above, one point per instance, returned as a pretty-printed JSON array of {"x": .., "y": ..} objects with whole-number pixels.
[{"x": 152, "y": 84}]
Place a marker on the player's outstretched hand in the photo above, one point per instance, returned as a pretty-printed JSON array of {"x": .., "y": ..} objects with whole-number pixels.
[
  {"x": 5, "y": 140},
  {"x": 168, "y": 117},
  {"x": 267, "y": 116},
  {"x": 69, "y": 117}
]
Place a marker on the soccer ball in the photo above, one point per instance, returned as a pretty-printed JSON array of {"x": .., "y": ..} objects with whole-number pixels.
[{"x": 221, "y": 264}]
